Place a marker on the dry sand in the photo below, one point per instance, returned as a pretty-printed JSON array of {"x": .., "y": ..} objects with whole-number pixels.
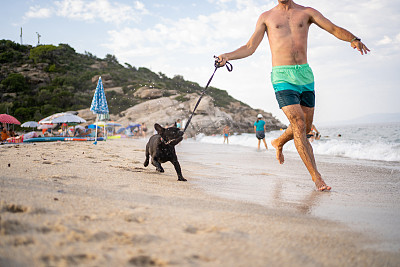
[{"x": 77, "y": 204}]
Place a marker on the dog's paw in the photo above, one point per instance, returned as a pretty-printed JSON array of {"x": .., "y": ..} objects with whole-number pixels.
[
  {"x": 182, "y": 179},
  {"x": 160, "y": 169},
  {"x": 146, "y": 163}
]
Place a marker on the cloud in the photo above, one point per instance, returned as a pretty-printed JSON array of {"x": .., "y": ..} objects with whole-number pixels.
[
  {"x": 386, "y": 40},
  {"x": 37, "y": 12},
  {"x": 104, "y": 10},
  {"x": 189, "y": 35},
  {"x": 100, "y": 10}
]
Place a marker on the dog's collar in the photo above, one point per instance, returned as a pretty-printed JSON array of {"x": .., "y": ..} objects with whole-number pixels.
[{"x": 165, "y": 142}]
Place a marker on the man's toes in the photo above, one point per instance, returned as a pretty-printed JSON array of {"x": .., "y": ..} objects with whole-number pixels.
[{"x": 324, "y": 188}]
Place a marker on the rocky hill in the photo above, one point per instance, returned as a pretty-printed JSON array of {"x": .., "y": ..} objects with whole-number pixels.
[{"x": 36, "y": 82}]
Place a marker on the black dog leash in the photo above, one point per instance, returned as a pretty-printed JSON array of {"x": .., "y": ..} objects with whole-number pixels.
[{"x": 229, "y": 67}]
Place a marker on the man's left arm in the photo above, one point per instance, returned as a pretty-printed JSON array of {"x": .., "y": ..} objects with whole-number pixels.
[{"x": 338, "y": 32}]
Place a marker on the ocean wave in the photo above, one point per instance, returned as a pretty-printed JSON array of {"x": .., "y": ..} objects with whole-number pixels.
[{"x": 370, "y": 149}]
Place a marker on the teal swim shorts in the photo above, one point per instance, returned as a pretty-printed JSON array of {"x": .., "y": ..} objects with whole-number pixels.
[{"x": 293, "y": 84}]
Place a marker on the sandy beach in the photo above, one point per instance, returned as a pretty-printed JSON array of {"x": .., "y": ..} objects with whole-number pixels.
[{"x": 79, "y": 204}]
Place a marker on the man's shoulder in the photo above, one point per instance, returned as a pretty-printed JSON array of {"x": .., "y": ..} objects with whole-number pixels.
[{"x": 309, "y": 10}]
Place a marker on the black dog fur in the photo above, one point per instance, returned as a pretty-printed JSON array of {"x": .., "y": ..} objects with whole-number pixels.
[{"x": 161, "y": 148}]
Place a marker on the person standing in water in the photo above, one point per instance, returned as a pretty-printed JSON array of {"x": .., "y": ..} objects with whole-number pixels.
[
  {"x": 225, "y": 132},
  {"x": 259, "y": 129},
  {"x": 287, "y": 26}
]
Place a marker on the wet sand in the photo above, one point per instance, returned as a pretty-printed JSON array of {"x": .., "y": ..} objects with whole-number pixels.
[
  {"x": 77, "y": 204},
  {"x": 364, "y": 195}
]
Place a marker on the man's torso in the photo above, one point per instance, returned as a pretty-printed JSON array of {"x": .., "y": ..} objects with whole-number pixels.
[{"x": 287, "y": 32}]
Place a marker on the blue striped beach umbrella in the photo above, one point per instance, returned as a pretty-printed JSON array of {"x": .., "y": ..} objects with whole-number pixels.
[{"x": 99, "y": 103}]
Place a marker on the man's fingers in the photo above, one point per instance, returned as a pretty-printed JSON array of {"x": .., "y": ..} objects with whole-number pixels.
[{"x": 364, "y": 48}]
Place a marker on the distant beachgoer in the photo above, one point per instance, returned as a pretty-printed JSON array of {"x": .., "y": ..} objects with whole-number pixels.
[
  {"x": 259, "y": 129},
  {"x": 144, "y": 129},
  {"x": 225, "y": 132},
  {"x": 313, "y": 134},
  {"x": 11, "y": 133},
  {"x": 30, "y": 135},
  {"x": 287, "y": 26},
  {"x": 179, "y": 124},
  {"x": 4, "y": 135}
]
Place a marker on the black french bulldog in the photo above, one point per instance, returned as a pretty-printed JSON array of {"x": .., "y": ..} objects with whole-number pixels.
[{"x": 161, "y": 148}]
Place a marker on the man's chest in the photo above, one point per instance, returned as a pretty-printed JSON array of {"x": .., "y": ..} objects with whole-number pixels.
[{"x": 288, "y": 22}]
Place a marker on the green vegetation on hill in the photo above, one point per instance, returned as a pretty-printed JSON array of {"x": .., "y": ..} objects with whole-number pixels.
[{"x": 36, "y": 82}]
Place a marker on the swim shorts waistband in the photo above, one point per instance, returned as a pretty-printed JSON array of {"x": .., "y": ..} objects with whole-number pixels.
[
  {"x": 298, "y": 78},
  {"x": 291, "y": 66}
]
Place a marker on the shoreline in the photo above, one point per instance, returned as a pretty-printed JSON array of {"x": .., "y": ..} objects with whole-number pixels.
[{"x": 81, "y": 204}]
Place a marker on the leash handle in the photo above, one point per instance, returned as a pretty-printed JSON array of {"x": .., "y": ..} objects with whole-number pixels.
[{"x": 229, "y": 67}]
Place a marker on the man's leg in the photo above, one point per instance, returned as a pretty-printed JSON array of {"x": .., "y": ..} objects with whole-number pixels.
[
  {"x": 279, "y": 142},
  {"x": 298, "y": 117}
]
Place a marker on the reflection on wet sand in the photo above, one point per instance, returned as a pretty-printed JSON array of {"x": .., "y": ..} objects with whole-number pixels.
[{"x": 304, "y": 206}]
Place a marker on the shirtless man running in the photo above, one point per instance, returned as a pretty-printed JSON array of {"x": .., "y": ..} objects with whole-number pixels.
[{"x": 287, "y": 26}]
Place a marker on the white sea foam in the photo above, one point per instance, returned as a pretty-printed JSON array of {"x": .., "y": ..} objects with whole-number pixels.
[{"x": 370, "y": 142}]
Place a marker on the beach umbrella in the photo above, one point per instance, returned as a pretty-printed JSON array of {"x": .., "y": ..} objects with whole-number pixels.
[
  {"x": 65, "y": 117},
  {"x": 114, "y": 124},
  {"x": 30, "y": 124},
  {"x": 49, "y": 119},
  {"x": 133, "y": 125},
  {"x": 5, "y": 118},
  {"x": 99, "y": 103},
  {"x": 68, "y": 118},
  {"x": 120, "y": 130}
]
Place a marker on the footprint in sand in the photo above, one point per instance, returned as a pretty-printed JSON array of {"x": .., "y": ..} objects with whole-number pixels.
[
  {"x": 197, "y": 230},
  {"x": 137, "y": 218},
  {"x": 12, "y": 227},
  {"x": 68, "y": 260},
  {"x": 14, "y": 208},
  {"x": 134, "y": 169},
  {"x": 144, "y": 260},
  {"x": 22, "y": 241}
]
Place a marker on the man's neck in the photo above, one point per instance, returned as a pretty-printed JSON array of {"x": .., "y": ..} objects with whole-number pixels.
[{"x": 286, "y": 6}]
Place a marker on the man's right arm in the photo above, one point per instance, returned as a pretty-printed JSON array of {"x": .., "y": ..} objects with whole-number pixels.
[{"x": 251, "y": 46}]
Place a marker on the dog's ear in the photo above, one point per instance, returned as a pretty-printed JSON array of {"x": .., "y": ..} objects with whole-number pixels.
[{"x": 159, "y": 129}]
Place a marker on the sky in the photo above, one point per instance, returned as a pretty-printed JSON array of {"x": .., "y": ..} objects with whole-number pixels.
[{"x": 179, "y": 37}]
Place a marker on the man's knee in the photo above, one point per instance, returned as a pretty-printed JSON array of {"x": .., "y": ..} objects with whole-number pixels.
[{"x": 299, "y": 126}]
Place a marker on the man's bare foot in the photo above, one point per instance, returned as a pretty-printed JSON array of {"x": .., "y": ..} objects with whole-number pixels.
[
  {"x": 279, "y": 154},
  {"x": 321, "y": 185}
]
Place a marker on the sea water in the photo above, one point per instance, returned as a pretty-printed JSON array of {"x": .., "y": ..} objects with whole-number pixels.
[
  {"x": 379, "y": 142},
  {"x": 360, "y": 162}
]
